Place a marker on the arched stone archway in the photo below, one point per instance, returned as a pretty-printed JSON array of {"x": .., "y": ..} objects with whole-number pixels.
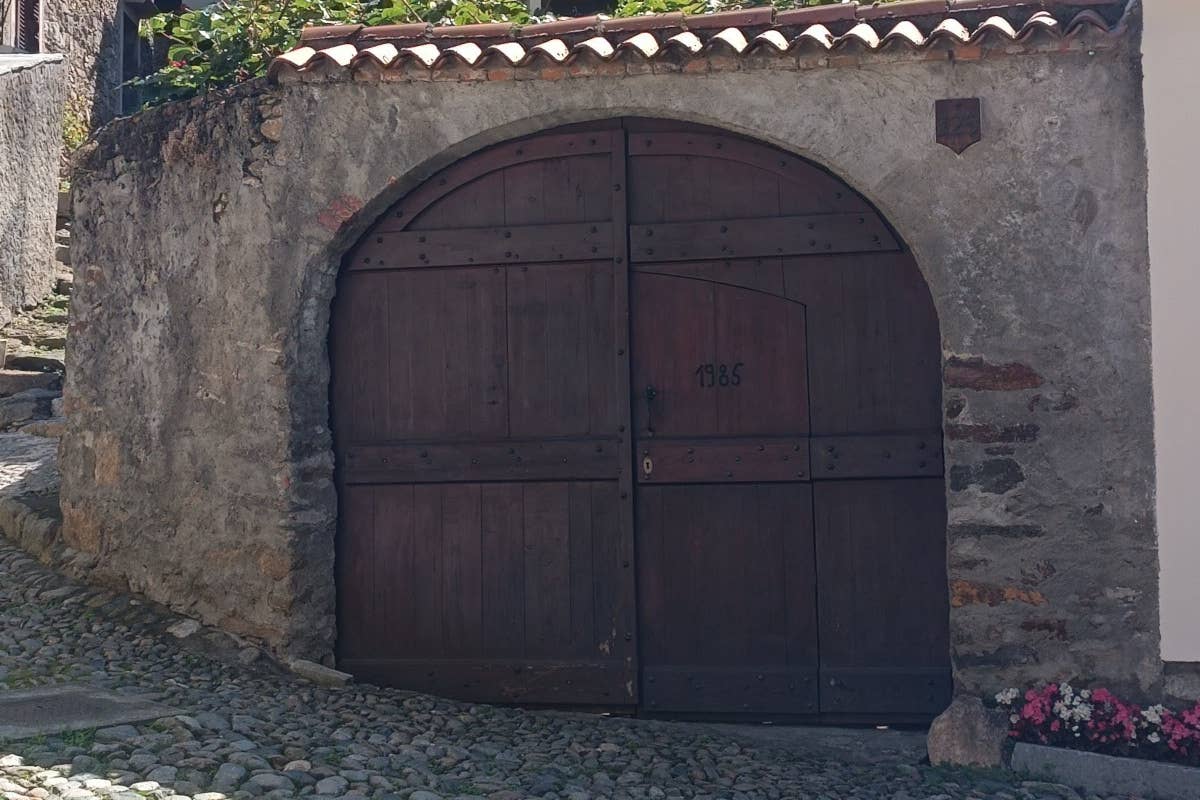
[{"x": 641, "y": 413}]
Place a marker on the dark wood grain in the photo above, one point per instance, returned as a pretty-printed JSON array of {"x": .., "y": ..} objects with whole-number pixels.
[
  {"x": 727, "y": 238},
  {"x": 480, "y": 408},
  {"x": 761, "y": 533}
]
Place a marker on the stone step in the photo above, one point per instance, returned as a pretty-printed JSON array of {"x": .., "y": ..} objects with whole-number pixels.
[
  {"x": 46, "y": 362},
  {"x": 26, "y": 406},
  {"x": 13, "y": 381},
  {"x": 51, "y": 428},
  {"x": 62, "y": 253}
]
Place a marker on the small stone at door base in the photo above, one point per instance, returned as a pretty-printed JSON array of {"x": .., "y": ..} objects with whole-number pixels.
[
  {"x": 967, "y": 734},
  {"x": 325, "y": 676},
  {"x": 184, "y": 628}
]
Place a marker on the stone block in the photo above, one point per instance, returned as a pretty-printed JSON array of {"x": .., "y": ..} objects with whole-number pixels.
[
  {"x": 1107, "y": 775},
  {"x": 41, "y": 363},
  {"x": 316, "y": 673},
  {"x": 51, "y": 428},
  {"x": 967, "y": 734},
  {"x": 13, "y": 381},
  {"x": 24, "y": 406}
]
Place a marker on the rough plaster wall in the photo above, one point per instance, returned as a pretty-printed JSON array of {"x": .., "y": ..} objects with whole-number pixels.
[
  {"x": 88, "y": 33},
  {"x": 31, "y": 102},
  {"x": 197, "y": 458}
]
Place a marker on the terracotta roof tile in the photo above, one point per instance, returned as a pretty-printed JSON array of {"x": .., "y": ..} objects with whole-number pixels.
[{"x": 912, "y": 25}]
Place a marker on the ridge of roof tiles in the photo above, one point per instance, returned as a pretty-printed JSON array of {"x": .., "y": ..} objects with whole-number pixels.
[{"x": 913, "y": 24}]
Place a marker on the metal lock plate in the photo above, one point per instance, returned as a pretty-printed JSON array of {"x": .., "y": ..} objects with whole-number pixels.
[{"x": 647, "y": 465}]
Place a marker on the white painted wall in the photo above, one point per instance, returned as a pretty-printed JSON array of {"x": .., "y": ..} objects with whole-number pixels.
[{"x": 1172, "y": 87}]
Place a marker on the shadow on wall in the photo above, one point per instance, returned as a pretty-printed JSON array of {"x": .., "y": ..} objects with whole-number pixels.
[{"x": 106, "y": 77}]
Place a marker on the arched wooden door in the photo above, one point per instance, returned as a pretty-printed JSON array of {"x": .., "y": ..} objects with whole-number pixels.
[{"x": 779, "y": 445}]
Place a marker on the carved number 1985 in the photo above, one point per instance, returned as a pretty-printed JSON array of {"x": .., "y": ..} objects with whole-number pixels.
[{"x": 711, "y": 375}]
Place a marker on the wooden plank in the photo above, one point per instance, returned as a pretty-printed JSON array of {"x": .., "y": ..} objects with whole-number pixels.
[
  {"x": 767, "y": 693},
  {"x": 435, "y": 384},
  {"x": 723, "y": 460},
  {"x": 760, "y": 274},
  {"x": 360, "y": 333},
  {"x": 547, "y": 569},
  {"x": 503, "y": 463},
  {"x": 509, "y": 459},
  {"x": 394, "y": 564},
  {"x": 878, "y": 365},
  {"x": 715, "y": 580},
  {"x": 613, "y": 510},
  {"x": 674, "y": 337},
  {"x": 481, "y": 201},
  {"x": 753, "y": 459},
  {"x": 615, "y": 632},
  {"x": 358, "y": 626},
  {"x": 817, "y": 282},
  {"x": 552, "y": 315},
  {"x": 760, "y": 237},
  {"x": 882, "y": 594},
  {"x": 582, "y": 569},
  {"x": 879, "y": 691},
  {"x": 427, "y": 578},
  {"x": 464, "y": 247},
  {"x": 502, "y": 522},
  {"x": 804, "y": 187},
  {"x": 535, "y": 682},
  {"x": 606, "y": 396},
  {"x": 768, "y": 392},
  {"x": 789, "y": 509},
  {"x": 878, "y": 456},
  {"x": 462, "y": 572},
  {"x": 499, "y": 157}
]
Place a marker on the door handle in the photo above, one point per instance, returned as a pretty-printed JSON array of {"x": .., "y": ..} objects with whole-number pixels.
[{"x": 651, "y": 393}]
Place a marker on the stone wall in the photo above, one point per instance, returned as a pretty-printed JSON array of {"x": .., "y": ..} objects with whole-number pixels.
[
  {"x": 88, "y": 33},
  {"x": 31, "y": 104},
  {"x": 197, "y": 463}
]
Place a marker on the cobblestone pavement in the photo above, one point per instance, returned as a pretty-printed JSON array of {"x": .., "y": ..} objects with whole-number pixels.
[{"x": 248, "y": 730}]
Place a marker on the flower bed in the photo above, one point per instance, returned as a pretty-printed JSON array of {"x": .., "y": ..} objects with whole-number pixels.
[{"x": 1096, "y": 720}]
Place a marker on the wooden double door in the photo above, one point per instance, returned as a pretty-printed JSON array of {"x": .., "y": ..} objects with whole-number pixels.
[{"x": 641, "y": 415}]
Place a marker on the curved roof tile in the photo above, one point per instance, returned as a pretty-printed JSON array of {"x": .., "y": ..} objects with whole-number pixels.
[{"x": 912, "y": 25}]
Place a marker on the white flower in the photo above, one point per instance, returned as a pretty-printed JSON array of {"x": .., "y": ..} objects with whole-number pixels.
[
  {"x": 1154, "y": 737},
  {"x": 1006, "y": 697},
  {"x": 1086, "y": 694},
  {"x": 1153, "y": 714}
]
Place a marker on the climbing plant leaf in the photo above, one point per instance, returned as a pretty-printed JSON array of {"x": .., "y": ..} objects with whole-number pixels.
[{"x": 234, "y": 40}]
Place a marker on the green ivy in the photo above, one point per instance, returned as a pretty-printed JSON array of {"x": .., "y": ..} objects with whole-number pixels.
[{"x": 234, "y": 40}]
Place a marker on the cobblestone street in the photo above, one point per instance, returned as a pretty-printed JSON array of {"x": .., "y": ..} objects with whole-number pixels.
[{"x": 247, "y": 730}]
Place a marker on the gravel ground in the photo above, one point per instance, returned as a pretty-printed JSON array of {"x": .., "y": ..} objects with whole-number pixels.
[{"x": 248, "y": 730}]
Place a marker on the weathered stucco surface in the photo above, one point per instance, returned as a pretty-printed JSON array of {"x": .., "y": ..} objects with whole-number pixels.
[
  {"x": 197, "y": 461},
  {"x": 31, "y": 103}
]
